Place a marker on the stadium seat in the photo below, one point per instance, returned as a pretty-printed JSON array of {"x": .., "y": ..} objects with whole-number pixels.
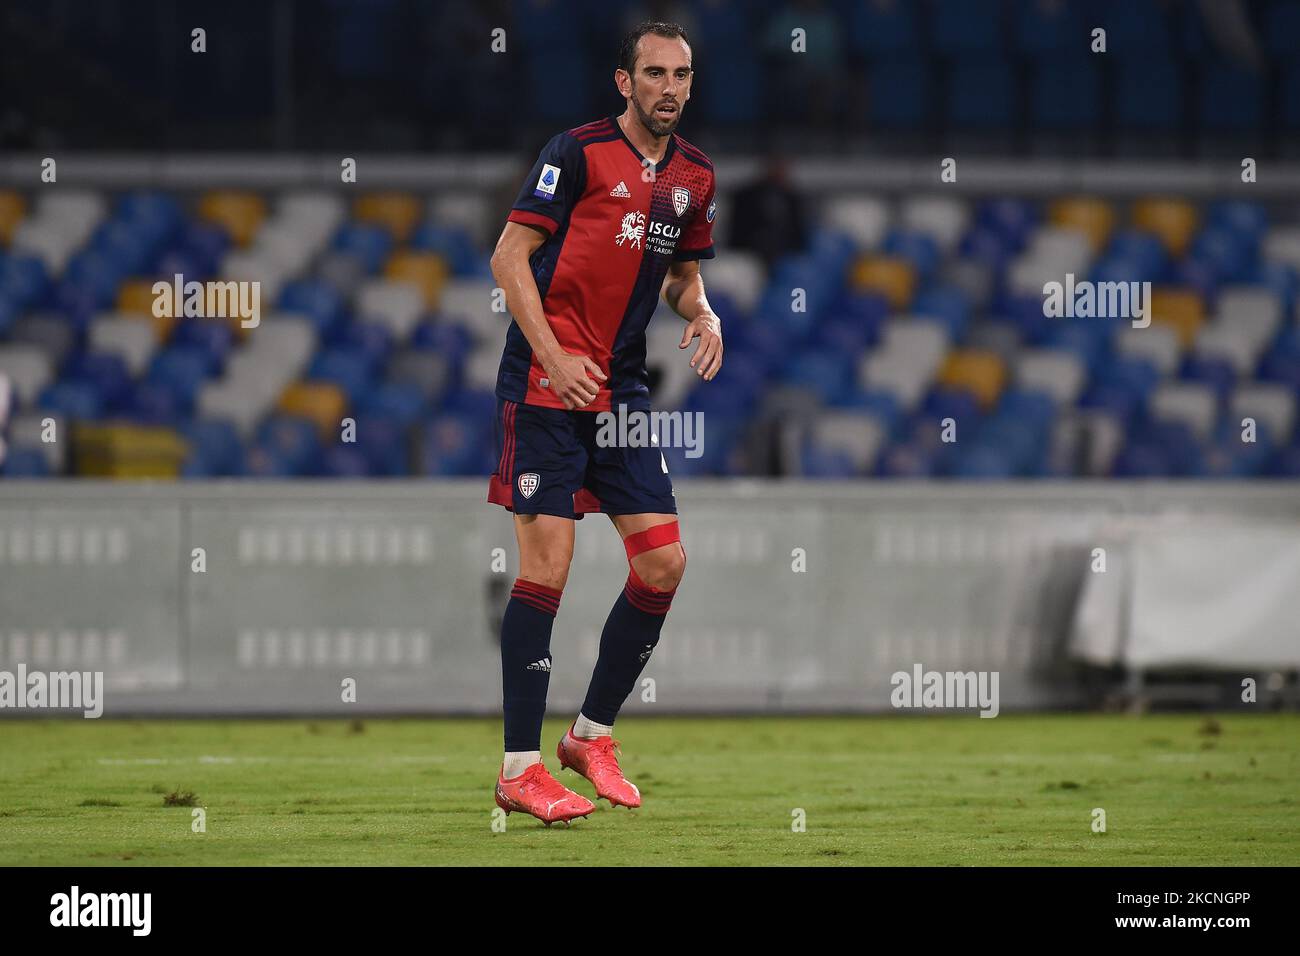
[
  {"x": 128, "y": 451},
  {"x": 982, "y": 94},
  {"x": 1148, "y": 91},
  {"x": 427, "y": 270},
  {"x": 130, "y": 338},
  {"x": 1172, "y": 221},
  {"x": 28, "y": 369},
  {"x": 397, "y": 305},
  {"x": 13, "y": 209},
  {"x": 892, "y": 277},
  {"x": 1182, "y": 309},
  {"x": 1094, "y": 217},
  {"x": 1194, "y": 405},
  {"x": 322, "y": 403},
  {"x": 396, "y": 211},
  {"x": 1232, "y": 98},
  {"x": 50, "y": 332},
  {"x": 943, "y": 218},
  {"x": 1065, "y": 93},
  {"x": 899, "y": 92},
  {"x": 1158, "y": 344},
  {"x": 1058, "y": 374},
  {"x": 980, "y": 373},
  {"x": 239, "y": 213},
  {"x": 864, "y": 219}
]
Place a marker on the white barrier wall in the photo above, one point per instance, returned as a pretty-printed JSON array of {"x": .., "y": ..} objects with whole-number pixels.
[{"x": 393, "y": 584}]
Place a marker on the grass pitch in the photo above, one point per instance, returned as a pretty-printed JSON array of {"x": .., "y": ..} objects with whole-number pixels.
[{"x": 896, "y": 790}]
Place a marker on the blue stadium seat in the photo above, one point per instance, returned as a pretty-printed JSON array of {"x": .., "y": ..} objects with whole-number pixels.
[
  {"x": 1148, "y": 93},
  {"x": 899, "y": 96},
  {"x": 1049, "y": 29},
  {"x": 453, "y": 244},
  {"x": 1065, "y": 93},
  {"x": 1232, "y": 99},
  {"x": 24, "y": 462},
  {"x": 960, "y": 27},
  {"x": 349, "y": 370},
  {"x": 370, "y": 243},
  {"x": 876, "y": 29},
  {"x": 75, "y": 399},
  {"x": 214, "y": 446},
  {"x": 24, "y": 281},
  {"x": 1281, "y": 30},
  {"x": 318, "y": 301},
  {"x": 982, "y": 94},
  {"x": 293, "y": 441}
]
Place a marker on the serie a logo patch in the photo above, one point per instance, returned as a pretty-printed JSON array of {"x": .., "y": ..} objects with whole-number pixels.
[
  {"x": 528, "y": 483},
  {"x": 547, "y": 181}
]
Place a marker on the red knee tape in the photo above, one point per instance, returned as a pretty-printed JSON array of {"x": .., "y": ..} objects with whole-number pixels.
[{"x": 651, "y": 538}]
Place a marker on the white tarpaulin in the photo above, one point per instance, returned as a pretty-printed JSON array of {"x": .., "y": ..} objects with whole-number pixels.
[{"x": 1219, "y": 595}]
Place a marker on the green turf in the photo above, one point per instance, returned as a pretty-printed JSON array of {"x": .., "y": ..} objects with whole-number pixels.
[{"x": 953, "y": 790}]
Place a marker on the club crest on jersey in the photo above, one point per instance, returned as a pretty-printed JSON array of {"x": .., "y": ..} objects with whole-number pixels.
[
  {"x": 528, "y": 483},
  {"x": 631, "y": 230},
  {"x": 547, "y": 181},
  {"x": 681, "y": 199}
]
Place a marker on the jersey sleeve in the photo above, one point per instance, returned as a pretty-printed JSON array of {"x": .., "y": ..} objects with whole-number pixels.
[
  {"x": 554, "y": 185},
  {"x": 697, "y": 242}
]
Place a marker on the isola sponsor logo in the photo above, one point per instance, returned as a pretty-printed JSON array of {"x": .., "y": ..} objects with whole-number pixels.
[{"x": 662, "y": 237}]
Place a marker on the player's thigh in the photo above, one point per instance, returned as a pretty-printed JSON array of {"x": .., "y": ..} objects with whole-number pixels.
[
  {"x": 661, "y": 566},
  {"x": 545, "y": 548}
]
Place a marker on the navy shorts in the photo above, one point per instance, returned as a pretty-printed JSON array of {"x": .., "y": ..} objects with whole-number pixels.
[{"x": 549, "y": 463}]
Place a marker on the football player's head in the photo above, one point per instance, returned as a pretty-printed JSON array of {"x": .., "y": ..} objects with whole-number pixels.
[{"x": 654, "y": 74}]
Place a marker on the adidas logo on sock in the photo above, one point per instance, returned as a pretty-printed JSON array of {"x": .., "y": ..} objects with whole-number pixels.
[
  {"x": 620, "y": 191},
  {"x": 543, "y": 665}
]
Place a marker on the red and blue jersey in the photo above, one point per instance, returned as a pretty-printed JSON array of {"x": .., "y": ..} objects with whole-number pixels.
[{"x": 614, "y": 224}]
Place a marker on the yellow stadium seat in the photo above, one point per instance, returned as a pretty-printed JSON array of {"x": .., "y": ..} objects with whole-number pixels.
[
  {"x": 12, "y": 211},
  {"x": 1173, "y": 221},
  {"x": 1095, "y": 218},
  {"x": 398, "y": 212},
  {"x": 890, "y": 276},
  {"x": 240, "y": 213},
  {"x": 428, "y": 270},
  {"x": 135, "y": 298},
  {"x": 128, "y": 451},
  {"x": 322, "y": 403},
  {"x": 1181, "y": 309},
  {"x": 976, "y": 371}
]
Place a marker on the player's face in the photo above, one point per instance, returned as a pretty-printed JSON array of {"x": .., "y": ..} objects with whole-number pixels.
[{"x": 661, "y": 82}]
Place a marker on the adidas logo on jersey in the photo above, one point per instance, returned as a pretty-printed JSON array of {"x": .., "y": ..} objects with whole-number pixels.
[
  {"x": 620, "y": 191},
  {"x": 543, "y": 665}
]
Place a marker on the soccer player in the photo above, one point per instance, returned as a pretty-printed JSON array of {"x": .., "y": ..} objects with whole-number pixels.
[{"x": 614, "y": 214}]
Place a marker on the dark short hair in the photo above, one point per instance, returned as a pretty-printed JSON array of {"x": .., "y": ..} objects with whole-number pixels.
[{"x": 627, "y": 52}]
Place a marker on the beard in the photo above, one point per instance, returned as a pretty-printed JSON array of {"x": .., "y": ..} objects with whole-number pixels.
[{"x": 657, "y": 127}]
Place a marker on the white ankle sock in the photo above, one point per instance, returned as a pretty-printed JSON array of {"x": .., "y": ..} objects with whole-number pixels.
[
  {"x": 517, "y": 763},
  {"x": 582, "y": 727}
]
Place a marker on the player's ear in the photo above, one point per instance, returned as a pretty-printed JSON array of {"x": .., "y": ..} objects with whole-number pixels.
[{"x": 623, "y": 81}]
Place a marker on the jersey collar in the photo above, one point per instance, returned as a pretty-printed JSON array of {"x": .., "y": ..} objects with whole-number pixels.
[{"x": 641, "y": 160}]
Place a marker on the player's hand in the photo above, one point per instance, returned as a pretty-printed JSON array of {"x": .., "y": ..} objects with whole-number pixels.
[
  {"x": 571, "y": 379},
  {"x": 708, "y": 356}
]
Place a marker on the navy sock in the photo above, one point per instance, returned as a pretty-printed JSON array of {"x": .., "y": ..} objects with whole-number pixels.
[
  {"x": 630, "y": 635},
  {"x": 526, "y": 662}
]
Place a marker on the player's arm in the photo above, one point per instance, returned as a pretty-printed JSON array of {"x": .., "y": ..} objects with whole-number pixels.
[
  {"x": 684, "y": 292},
  {"x": 570, "y": 375}
]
